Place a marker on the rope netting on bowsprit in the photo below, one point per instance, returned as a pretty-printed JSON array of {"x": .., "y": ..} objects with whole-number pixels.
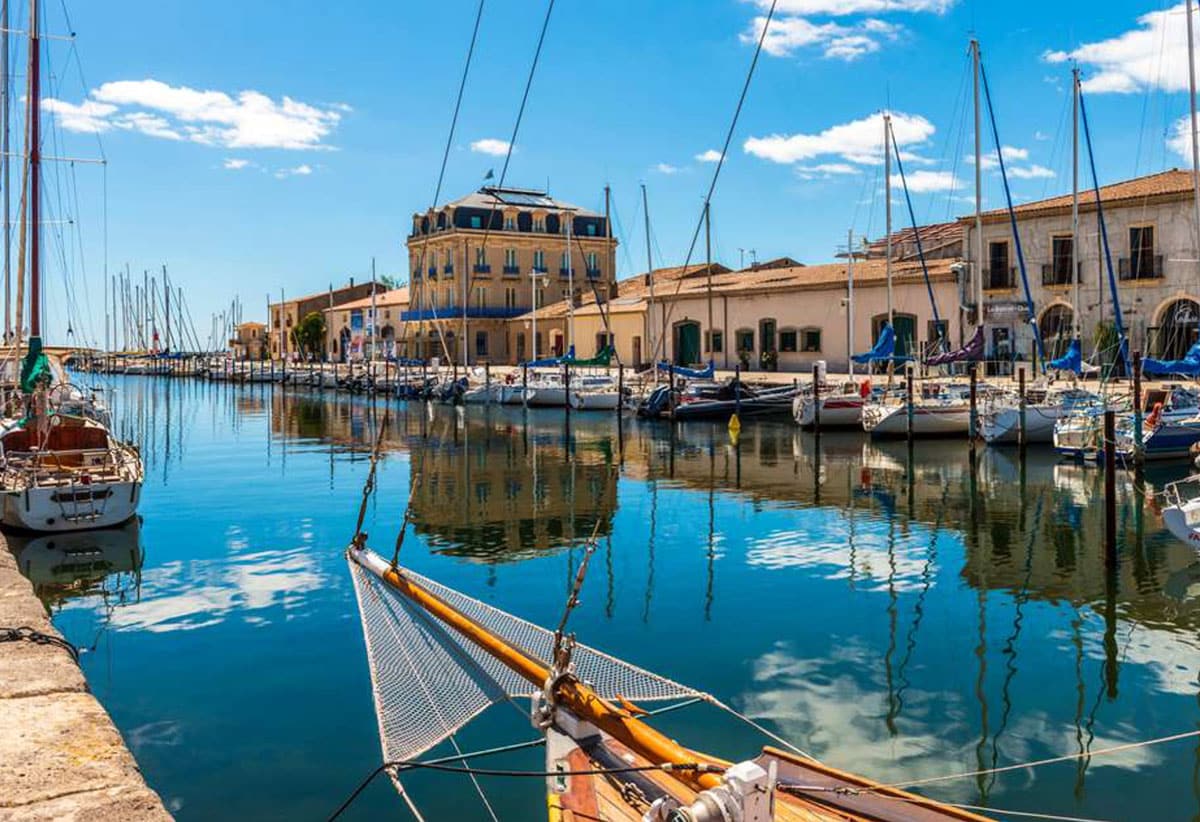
[{"x": 429, "y": 680}]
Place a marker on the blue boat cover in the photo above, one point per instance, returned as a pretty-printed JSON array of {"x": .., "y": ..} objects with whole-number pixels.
[
  {"x": 884, "y": 347},
  {"x": 1072, "y": 360},
  {"x": 548, "y": 362},
  {"x": 705, "y": 373},
  {"x": 971, "y": 352},
  {"x": 1189, "y": 365},
  {"x": 408, "y": 361}
]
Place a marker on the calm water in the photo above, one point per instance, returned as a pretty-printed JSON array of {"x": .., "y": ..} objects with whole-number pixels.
[{"x": 900, "y": 622}]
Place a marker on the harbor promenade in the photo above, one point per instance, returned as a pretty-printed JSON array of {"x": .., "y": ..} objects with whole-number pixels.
[{"x": 63, "y": 757}]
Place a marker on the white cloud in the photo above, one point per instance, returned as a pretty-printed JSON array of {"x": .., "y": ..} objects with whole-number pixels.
[
  {"x": 709, "y": 156},
  {"x": 297, "y": 171},
  {"x": 1180, "y": 141},
  {"x": 859, "y": 141},
  {"x": 1041, "y": 136},
  {"x": 88, "y": 116},
  {"x": 490, "y": 145},
  {"x": 787, "y": 35},
  {"x": 1151, "y": 55},
  {"x": 844, "y": 7},
  {"x": 825, "y": 170},
  {"x": 1030, "y": 172},
  {"x": 667, "y": 168},
  {"x": 236, "y": 164},
  {"x": 923, "y": 180},
  {"x": 249, "y": 119}
]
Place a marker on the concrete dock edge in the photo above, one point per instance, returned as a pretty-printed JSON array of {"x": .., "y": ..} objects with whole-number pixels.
[{"x": 61, "y": 757}]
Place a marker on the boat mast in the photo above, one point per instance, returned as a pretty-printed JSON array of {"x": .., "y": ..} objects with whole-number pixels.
[
  {"x": 375, "y": 315},
  {"x": 570, "y": 218},
  {"x": 1195, "y": 134},
  {"x": 708, "y": 268},
  {"x": 978, "y": 188},
  {"x": 167, "y": 309},
  {"x": 1074, "y": 272},
  {"x": 6, "y": 105},
  {"x": 850, "y": 302},
  {"x": 887, "y": 196},
  {"x": 35, "y": 159},
  {"x": 650, "y": 283}
]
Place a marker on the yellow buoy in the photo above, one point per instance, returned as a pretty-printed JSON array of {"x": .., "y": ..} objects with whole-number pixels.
[{"x": 735, "y": 427}]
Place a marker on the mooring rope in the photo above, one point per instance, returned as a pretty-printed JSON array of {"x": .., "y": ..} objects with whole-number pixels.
[{"x": 26, "y": 633}]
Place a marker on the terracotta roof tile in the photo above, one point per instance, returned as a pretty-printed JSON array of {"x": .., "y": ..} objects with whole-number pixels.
[{"x": 1171, "y": 183}]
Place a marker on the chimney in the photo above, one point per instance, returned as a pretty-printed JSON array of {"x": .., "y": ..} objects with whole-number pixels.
[{"x": 352, "y": 282}]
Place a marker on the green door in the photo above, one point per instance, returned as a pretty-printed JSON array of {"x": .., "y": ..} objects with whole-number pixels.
[
  {"x": 687, "y": 343},
  {"x": 906, "y": 334}
]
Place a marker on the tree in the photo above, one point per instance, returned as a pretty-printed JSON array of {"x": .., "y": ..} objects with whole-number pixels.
[
  {"x": 309, "y": 334},
  {"x": 388, "y": 281}
]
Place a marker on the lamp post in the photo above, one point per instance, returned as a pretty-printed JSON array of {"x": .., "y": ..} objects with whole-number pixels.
[{"x": 534, "y": 276}]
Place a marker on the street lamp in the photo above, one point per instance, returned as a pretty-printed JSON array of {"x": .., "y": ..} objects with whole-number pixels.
[{"x": 534, "y": 276}]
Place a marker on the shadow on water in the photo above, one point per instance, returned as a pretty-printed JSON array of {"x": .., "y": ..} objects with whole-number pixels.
[{"x": 903, "y": 612}]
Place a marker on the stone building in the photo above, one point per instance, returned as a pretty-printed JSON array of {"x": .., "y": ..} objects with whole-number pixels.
[
  {"x": 249, "y": 341},
  {"x": 283, "y": 316},
  {"x": 1150, "y": 223},
  {"x": 474, "y": 262},
  {"x": 351, "y": 329}
]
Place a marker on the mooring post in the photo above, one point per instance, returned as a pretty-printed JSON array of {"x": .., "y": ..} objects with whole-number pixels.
[
  {"x": 973, "y": 415},
  {"x": 1021, "y": 432},
  {"x": 620, "y": 387},
  {"x": 1138, "y": 454},
  {"x": 816, "y": 399},
  {"x": 487, "y": 382},
  {"x": 1110, "y": 490},
  {"x": 671, "y": 391},
  {"x": 908, "y": 377},
  {"x": 567, "y": 386},
  {"x": 525, "y": 384},
  {"x": 737, "y": 390}
]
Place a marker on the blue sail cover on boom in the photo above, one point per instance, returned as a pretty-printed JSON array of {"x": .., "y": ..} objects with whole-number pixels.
[
  {"x": 550, "y": 362},
  {"x": 705, "y": 373},
  {"x": 1188, "y": 366},
  {"x": 883, "y": 349},
  {"x": 1071, "y": 360}
]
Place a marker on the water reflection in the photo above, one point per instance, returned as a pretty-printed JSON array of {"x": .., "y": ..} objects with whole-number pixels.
[{"x": 901, "y": 612}]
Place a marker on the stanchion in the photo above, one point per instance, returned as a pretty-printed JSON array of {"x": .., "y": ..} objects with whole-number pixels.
[{"x": 1110, "y": 490}]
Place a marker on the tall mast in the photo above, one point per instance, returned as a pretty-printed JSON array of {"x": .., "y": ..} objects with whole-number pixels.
[
  {"x": 167, "y": 309},
  {"x": 850, "y": 301},
  {"x": 570, "y": 218},
  {"x": 978, "y": 188},
  {"x": 6, "y": 106},
  {"x": 650, "y": 282},
  {"x": 35, "y": 159},
  {"x": 375, "y": 316},
  {"x": 887, "y": 196},
  {"x": 1195, "y": 135},
  {"x": 283, "y": 325},
  {"x": 708, "y": 268},
  {"x": 1074, "y": 272}
]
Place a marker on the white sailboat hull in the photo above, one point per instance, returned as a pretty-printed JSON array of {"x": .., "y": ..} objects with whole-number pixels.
[
  {"x": 595, "y": 400},
  {"x": 1004, "y": 425},
  {"x": 928, "y": 420},
  {"x": 71, "y": 508},
  {"x": 837, "y": 411}
]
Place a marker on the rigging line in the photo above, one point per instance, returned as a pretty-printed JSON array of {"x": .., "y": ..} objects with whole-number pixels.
[
  {"x": 512, "y": 141},
  {"x": 661, "y": 342},
  {"x": 445, "y": 160}
]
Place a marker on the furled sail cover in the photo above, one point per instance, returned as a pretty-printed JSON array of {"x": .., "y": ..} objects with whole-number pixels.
[
  {"x": 1071, "y": 360},
  {"x": 971, "y": 352},
  {"x": 705, "y": 373},
  {"x": 550, "y": 362},
  {"x": 884, "y": 347},
  {"x": 1189, "y": 365},
  {"x": 429, "y": 680}
]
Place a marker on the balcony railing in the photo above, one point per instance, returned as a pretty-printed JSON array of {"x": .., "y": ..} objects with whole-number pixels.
[
  {"x": 483, "y": 269},
  {"x": 593, "y": 273},
  {"x": 997, "y": 279},
  {"x": 448, "y": 269},
  {"x": 564, "y": 272},
  {"x": 1060, "y": 274},
  {"x": 511, "y": 270},
  {"x": 457, "y": 311},
  {"x": 539, "y": 269},
  {"x": 433, "y": 271},
  {"x": 1141, "y": 267}
]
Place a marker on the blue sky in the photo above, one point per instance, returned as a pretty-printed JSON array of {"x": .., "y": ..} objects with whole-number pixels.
[{"x": 267, "y": 145}]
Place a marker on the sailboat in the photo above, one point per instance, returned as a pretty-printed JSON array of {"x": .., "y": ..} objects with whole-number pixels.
[
  {"x": 438, "y": 658},
  {"x": 61, "y": 469}
]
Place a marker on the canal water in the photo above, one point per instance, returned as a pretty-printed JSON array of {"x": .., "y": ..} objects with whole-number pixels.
[{"x": 901, "y": 617}]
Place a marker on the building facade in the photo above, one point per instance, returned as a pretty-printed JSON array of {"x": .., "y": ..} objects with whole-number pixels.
[
  {"x": 493, "y": 255},
  {"x": 1151, "y": 231},
  {"x": 367, "y": 328},
  {"x": 249, "y": 341},
  {"x": 285, "y": 315}
]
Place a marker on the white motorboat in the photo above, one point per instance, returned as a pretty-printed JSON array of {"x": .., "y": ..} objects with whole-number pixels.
[
  {"x": 1182, "y": 513},
  {"x": 839, "y": 409}
]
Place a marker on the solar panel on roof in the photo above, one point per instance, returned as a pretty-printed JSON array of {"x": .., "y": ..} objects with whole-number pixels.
[{"x": 526, "y": 199}]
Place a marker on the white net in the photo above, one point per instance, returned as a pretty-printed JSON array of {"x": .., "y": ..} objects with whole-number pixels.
[{"x": 429, "y": 681}]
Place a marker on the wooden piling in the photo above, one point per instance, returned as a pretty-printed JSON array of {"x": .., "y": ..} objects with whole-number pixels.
[
  {"x": 1138, "y": 454},
  {"x": 816, "y": 399},
  {"x": 908, "y": 377},
  {"x": 973, "y": 415},
  {"x": 1110, "y": 490},
  {"x": 567, "y": 387},
  {"x": 525, "y": 384},
  {"x": 487, "y": 382},
  {"x": 620, "y": 388},
  {"x": 1021, "y": 431}
]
